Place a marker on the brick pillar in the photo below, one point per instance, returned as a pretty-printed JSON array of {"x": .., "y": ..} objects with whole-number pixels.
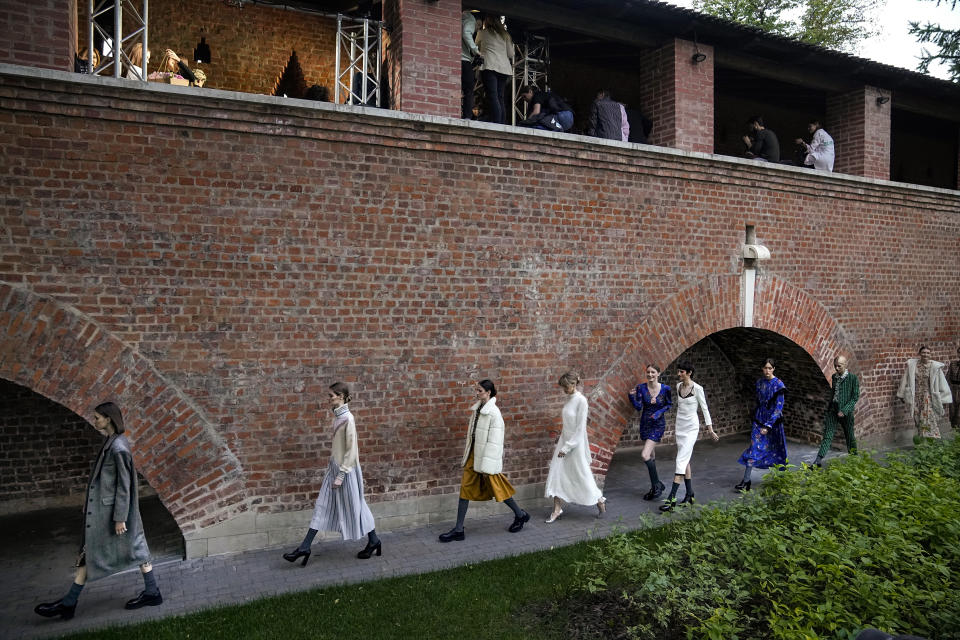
[
  {"x": 423, "y": 54},
  {"x": 39, "y": 33},
  {"x": 677, "y": 94},
  {"x": 861, "y": 132}
]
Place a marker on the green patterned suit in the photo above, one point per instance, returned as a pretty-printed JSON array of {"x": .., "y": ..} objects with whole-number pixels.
[{"x": 846, "y": 392}]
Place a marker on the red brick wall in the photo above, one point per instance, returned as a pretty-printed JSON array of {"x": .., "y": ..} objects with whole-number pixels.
[
  {"x": 39, "y": 33},
  {"x": 423, "y": 55},
  {"x": 678, "y": 96},
  {"x": 861, "y": 132},
  {"x": 250, "y": 46},
  {"x": 45, "y": 451},
  {"x": 216, "y": 274}
]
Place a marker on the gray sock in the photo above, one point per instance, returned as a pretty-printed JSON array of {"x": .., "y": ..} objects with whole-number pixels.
[
  {"x": 308, "y": 540},
  {"x": 652, "y": 470},
  {"x": 150, "y": 584},
  {"x": 517, "y": 511},
  {"x": 70, "y": 599},
  {"x": 461, "y": 513}
]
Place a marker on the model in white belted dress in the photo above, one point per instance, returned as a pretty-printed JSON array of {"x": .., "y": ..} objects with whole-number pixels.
[
  {"x": 570, "y": 478},
  {"x": 690, "y": 399}
]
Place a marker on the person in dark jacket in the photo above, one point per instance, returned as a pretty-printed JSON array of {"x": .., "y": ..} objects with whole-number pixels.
[
  {"x": 762, "y": 143},
  {"x": 113, "y": 539},
  {"x": 608, "y": 119},
  {"x": 546, "y": 110}
]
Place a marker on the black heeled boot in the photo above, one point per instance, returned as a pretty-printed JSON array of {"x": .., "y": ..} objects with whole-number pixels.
[
  {"x": 743, "y": 486},
  {"x": 655, "y": 491},
  {"x": 370, "y": 549},
  {"x": 687, "y": 499},
  {"x": 297, "y": 553}
]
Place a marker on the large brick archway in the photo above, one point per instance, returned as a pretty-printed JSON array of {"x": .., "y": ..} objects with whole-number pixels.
[
  {"x": 66, "y": 357},
  {"x": 702, "y": 309}
]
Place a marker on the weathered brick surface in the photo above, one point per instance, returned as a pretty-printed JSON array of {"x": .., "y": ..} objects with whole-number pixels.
[
  {"x": 213, "y": 264},
  {"x": 678, "y": 96},
  {"x": 861, "y": 130},
  {"x": 423, "y": 55},
  {"x": 39, "y": 33}
]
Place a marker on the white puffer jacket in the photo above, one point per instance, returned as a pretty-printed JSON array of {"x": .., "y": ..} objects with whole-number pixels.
[{"x": 488, "y": 446}]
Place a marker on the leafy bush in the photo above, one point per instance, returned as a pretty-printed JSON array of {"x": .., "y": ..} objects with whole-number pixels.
[{"x": 813, "y": 554}]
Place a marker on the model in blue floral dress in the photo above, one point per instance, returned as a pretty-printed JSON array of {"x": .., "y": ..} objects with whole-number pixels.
[
  {"x": 768, "y": 444},
  {"x": 652, "y": 400}
]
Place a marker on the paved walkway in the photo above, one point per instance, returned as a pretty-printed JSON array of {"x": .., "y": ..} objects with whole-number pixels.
[{"x": 34, "y": 570}]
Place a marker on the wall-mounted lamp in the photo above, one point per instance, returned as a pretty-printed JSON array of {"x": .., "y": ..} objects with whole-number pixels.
[
  {"x": 883, "y": 99},
  {"x": 202, "y": 52},
  {"x": 698, "y": 57}
]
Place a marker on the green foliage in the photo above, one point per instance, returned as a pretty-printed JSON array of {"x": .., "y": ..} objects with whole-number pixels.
[
  {"x": 946, "y": 40},
  {"x": 818, "y": 554},
  {"x": 836, "y": 24}
]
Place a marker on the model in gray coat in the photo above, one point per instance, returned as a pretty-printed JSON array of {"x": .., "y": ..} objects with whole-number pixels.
[{"x": 113, "y": 539}]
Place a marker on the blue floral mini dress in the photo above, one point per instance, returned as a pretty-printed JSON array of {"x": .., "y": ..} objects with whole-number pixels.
[{"x": 652, "y": 410}]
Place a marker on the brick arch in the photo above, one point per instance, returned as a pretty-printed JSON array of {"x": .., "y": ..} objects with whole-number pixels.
[
  {"x": 61, "y": 354},
  {"x": 692, "y": 314}
]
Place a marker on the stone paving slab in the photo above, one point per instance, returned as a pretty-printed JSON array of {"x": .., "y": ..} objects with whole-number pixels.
[{"x": 35, "y": 572}]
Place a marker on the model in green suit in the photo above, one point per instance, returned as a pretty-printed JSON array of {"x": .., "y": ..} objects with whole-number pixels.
[{"x": 846, "y": 392}]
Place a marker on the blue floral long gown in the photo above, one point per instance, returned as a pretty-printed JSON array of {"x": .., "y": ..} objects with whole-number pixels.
[{"x": 767, "y": 450}]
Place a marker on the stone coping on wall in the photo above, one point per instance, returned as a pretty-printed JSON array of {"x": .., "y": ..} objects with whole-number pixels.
[{"x": 527, "y": 135}]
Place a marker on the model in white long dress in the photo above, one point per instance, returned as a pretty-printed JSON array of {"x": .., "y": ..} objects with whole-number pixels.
[
  {"x": 688, "y": 424},
  {"x": 570, "y": 477}
]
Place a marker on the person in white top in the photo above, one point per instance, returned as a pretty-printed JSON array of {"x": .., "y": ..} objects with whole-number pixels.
[
  {"x": 496, "y": 49},
  {"x": 690, "y": 398},
  {"x": 570, "y": 478},
  {"x": 820, "y": 151}
]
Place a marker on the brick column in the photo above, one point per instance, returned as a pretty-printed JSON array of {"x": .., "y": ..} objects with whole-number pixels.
[
  {"x": 677, "y": 94},
  {"x": 423, "y": 54},
  {"x": 39, "y": 33},
  {"x": 861, "y": 132}
]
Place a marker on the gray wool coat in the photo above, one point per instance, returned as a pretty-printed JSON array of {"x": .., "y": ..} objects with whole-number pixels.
[{"x": 112, "y": 497}]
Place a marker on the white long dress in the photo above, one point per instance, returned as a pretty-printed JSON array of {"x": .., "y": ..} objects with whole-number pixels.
[
  {"x": 570, "y": 477},
  {"x": 688, "y": 424}
]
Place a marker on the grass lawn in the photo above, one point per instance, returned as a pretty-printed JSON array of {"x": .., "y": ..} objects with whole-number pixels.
[{"x": 503, "y": 599}]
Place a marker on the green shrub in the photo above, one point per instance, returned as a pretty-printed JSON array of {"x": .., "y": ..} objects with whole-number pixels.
[{"x": 813, "y": 554}]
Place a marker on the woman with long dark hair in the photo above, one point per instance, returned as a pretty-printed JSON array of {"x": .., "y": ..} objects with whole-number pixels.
[
  {"x": 113, "y": 539},
  {"x": 483, "y": 477},
  {"x": 340, "y": 505},
  {"x": 768, "y": 443}
]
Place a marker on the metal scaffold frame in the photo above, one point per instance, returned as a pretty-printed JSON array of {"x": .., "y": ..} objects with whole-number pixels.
[
  {"x": 531, "y": 66},
  {"x": 118, "y": 58},
  {"x": 360, "y": 46}
]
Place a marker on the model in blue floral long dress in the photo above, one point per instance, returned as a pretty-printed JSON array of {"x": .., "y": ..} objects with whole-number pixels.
[{"x": 769, "y": 449}]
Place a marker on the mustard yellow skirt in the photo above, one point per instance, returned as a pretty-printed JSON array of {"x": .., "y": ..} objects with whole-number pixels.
[{"x": 479, "y": 487}]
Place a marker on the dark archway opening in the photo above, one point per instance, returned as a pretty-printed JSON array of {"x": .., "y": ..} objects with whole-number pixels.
[
  {"x": 46, "y": 452},
  {"x": 727, "y": 366}
]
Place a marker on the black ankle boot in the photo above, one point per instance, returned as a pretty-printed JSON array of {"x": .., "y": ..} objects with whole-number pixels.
[
  {"x": 687, "y": 499},
  {"x": 743, "y": 486},
  {"x": 655, "y": 491},
  {"x": 297, "y": 553},
  {"x": 370, "y": 549}
]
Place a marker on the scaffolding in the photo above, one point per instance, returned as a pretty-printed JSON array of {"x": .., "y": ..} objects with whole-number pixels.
[
  {"x": 358, "y": 61},
  {"x": 531, "y": 66},
  {"x": 117, "y": 46}
]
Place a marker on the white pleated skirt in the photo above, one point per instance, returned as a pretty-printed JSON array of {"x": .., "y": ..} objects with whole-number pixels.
[{"x": 343, "y": 509}]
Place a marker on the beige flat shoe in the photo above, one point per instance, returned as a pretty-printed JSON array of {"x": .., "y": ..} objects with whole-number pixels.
[{"x": 554, "y": 516}]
